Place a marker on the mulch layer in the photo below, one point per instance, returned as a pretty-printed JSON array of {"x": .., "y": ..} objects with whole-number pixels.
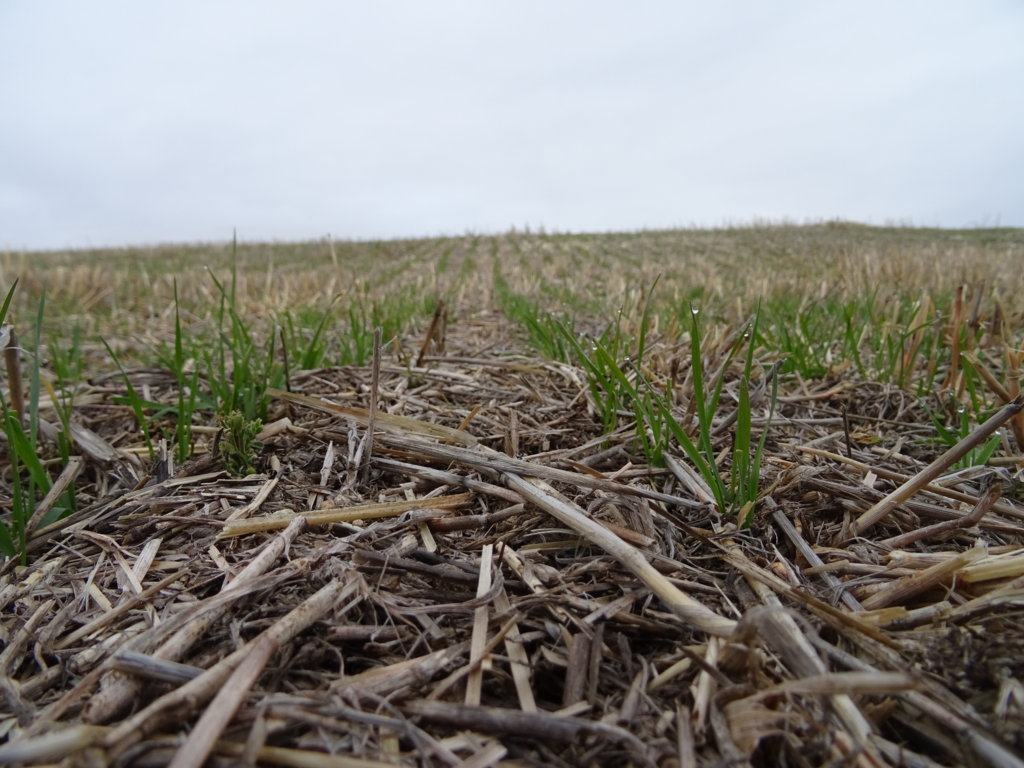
[{"x": 474, "y": 574}]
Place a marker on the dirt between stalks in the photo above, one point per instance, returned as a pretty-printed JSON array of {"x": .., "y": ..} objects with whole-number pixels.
[{"x": 455, "y": 621}]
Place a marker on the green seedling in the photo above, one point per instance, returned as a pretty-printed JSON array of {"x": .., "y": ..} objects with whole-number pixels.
[
  {"x": 961, "y": 428},
  {"x": 67, "y": 363},
  {"x": 239, "y": 371},
  {"x": 745, "y": 471},
  {"x": 188, "y": 395},
  {"x": 735, "y": 493},
  {"x": 187, "y": 387},
  {"x": 619, "y": 387},
  {"x": 29, "y": 478},
  {"x": 134, "y": 401},
  {"x": 304, "y": 338},
  {"x": 356, "y": 347},
  {"x": 67, "y": 360},
  {"x": 23, "y": 490},
  {"x": 238, "y": 445},
  {"x": 544, "y": 332}
]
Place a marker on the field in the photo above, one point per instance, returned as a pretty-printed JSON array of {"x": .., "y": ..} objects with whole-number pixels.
[{"x": 675, "y": 498}]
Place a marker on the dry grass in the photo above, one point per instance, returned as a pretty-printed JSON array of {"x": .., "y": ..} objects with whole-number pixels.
[
  {"x": 128, "y": 290},
  {"x": 488, "y": 578}
]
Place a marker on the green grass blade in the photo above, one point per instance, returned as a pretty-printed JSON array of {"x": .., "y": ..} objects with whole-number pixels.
[
  {"x": 7, "y": 301},
  {"x": 21, "y": 446},
  {"x": 133, "y": 400}
]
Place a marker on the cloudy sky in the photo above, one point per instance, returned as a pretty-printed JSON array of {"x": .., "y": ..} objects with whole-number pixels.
[{"x": 143, "y": 122}]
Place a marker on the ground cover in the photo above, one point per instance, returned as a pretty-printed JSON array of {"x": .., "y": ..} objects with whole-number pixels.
[{"x": 673, "y": 498}]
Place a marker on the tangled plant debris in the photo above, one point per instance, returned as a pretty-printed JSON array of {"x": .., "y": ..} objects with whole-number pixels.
[{"x": 470, "y": 557}]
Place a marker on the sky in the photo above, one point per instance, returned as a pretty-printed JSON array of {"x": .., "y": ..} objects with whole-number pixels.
[{"x": 136, "y": 123}]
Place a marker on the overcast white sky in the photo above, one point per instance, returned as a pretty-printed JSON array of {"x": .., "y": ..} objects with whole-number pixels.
[{"x": 142, "y": 122}]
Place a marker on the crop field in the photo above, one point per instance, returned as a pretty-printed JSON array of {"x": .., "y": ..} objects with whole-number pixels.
[{"x": 749, "y": 496}]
